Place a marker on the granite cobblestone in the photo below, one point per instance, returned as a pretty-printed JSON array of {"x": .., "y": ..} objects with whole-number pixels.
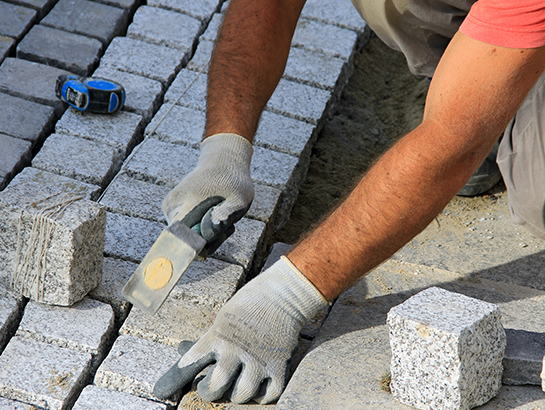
[{"x": 15, "y": 21}]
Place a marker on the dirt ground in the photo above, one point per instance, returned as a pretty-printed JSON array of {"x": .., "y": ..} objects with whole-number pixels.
[{"x": 381, "y": 102}]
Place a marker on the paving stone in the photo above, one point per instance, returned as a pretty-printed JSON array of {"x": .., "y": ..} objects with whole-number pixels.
[
  {"x": 129, "y": 5},
  {"x": 11, "y": 309},
  {"x": 341, "y": 13},
  {"x": 15, "y": 154},
  {"x": 7, "y": 46},
  {"x": 120, "y": 130},
  {"x": 43, "y": 375},
  {"x": 30, "y": 80},
  {"x": 68, "y": 51},
  {"x": 15, "y": 21},
  {"x": 447, "y": 350},
  {"x": 265, "y": 203},
  {"x": 325, "y": 38},
  {"x": 313, "y": 68},
  {"x": 143, "y": 95},
  {"x": 159, "y": 63},
  {"x": 299, "y": 101},
  {"x": 165, "y": 28},
  {"x": 212, "y": 30},
  {"x": 175, "y": 321},
  {"x": 70, "y": 263},
  {"x": 130, "y": 238},
  {"x": 32, "y": 182},
  {"x": 245, "y": 245},
  {"x": 134, "y": 365},
  {"x": 25, "y": 119},
  {"x": 87, "y": 18},
  {"x": 78, "y": 158},
  {"x": 115, "y": 275},
  {"x": 7, "y": 404},
  {"x": 523, "y": 357},
  {"x": 201, "y": 58},
  {"x": 194, "y": 96},
  {"x": 139, "y": 199},
  {"x": 62, "y": 326},
  {"x": 201, "y": 9},
  {"x": 41, "y": 6},
  {"x": 181, "y": 125},
  {"x": 94, "y": 397}
]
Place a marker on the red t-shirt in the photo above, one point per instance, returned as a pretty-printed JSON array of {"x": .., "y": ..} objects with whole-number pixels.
[{"x": 507, "y": 23}]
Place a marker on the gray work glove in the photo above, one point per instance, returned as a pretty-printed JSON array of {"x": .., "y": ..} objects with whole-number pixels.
[
  {"x": 251, "y": 341},
  {"x": 218, "y": 192}
]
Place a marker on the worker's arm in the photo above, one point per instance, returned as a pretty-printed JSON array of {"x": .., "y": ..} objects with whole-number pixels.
[
  {"x": 248, "y": 61},
  {"x": 475, "y": 91}
]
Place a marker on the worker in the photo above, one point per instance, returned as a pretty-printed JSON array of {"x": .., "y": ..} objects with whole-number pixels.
[{"x": 485, "y": 58}]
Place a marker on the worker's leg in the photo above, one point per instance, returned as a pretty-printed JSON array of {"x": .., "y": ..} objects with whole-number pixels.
[
  {"x": 521, "y": 158},
  {"x": 419, "y": 29}
]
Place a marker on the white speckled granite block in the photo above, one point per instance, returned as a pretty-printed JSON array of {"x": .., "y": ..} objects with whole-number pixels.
[
  {"x": 201, "y": 58},
  {"x": 195, "y": 95},
  {"x": 133, "y": 56},
  {"x": 211, "y": 33},
  {"x": 325, "y": 38},
  {"x": 313, "y": 68},
  {"x": 7, "y": 404},
  {"x": 447, "y": 350},
  {"x": 43, "y": 375},
  {"x": 130, "y": 238},
  {"x": 182, "y": 125},
  {"x": 58, "y": 268},
  {"x": 202, "y": 9},
  {"x": 164, "y": 28},
  {"x": 85, "y": 160},
  {"x": 134, "y": 365},
  {"x": 86, "y": 326},
  {"x": 115, "y": 274},
  {"x": 11, "y": 308},
  {"x": 341, "y": 13},
  {"x": 143, "y": 95},
  {"x": 119, "y": 130},
  {"x": 95, "y": 398},
  {"x": 245, "y": 244}
]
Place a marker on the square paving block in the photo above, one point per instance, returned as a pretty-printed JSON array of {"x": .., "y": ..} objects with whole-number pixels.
[
  {"x": 15, "y": 21},
  {"x": 7, "y": 45},
  {"x": 178, "y": 125},
  {"x": 15, "y": 154},
  {"x": 11, "y": 309},
  {"x": 94, "y": 397},
  {"x": 245, "y": 245},
  {"x": 202, "y": 9},
  {"x": 43, "y": 375},
  {"x": 51, "y": 246},
  {"x": 134, "y": 365},
  {"x": 341, "y": 13},
  {"x": 191, "y": 86}
]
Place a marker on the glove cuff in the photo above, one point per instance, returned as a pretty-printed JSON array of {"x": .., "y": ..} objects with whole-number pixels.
[{"x": 227, "y": 147}]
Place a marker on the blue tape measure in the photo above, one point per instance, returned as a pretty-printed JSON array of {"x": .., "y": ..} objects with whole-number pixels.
[{"x": 90, "y": 94}]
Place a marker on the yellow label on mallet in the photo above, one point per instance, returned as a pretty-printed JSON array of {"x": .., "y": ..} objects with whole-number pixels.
[{"x": 158, "y": 273}]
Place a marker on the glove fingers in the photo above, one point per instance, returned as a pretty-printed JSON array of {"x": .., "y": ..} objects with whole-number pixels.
[
  {"x": 269, "y": 391},
  {"x": 220, "y": 218},
  {"x": 219, "y": 378},
  {"x": 176, "y": 378},
  {"x": 248, "y": 384},
  {"x": 195, "y": 216},
  {"x": 184, "y": 346}
]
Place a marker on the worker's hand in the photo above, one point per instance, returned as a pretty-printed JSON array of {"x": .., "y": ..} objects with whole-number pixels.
[
  {"x": 218, "y": 192},
  {"x": 251, "y": 341}
]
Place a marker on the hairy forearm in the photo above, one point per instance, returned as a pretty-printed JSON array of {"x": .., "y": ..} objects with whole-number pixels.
[{"x": 248, "y": 61}]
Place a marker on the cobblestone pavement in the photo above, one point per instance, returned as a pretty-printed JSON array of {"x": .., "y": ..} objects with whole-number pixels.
[{"x": 101, "y": 354}]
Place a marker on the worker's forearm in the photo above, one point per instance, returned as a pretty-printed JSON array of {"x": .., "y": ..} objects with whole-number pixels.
[{"x": 249, "y": 59}]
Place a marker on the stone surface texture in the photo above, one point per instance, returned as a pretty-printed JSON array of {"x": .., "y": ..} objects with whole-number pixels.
[{"x": 447, "y": 350}]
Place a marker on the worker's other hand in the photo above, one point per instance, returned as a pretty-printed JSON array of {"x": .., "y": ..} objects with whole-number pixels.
[
  {"x": 251, "y": 341},
  {"x": 218, "y": 192}
]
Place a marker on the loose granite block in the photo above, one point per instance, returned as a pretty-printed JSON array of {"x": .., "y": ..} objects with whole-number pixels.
[
  {"x": 32, "y": 182},
  {"x": 194, "y": 96},
  {"x": 131, "y": 197},
  {"x": 30, "y": 80},
  {"x": 299, "y": 101},
  {"x": 87, "y": 18},
  {"x": 165, "y": 28},
  {"x": 340, "y": 13},
  {"x": 245, "y": 245},
  {"x": 43, "y": 375},
  {"x": 447, "y": 350},
  {"x": 78, "y": 158},
  {"x": 73, "y": 52},
  {"x": 313, "y": 68},
  {"x": 7, "y": 45},
  {"x": 130, "y": 238},
  {"x": 143, "y": 95},
  {"x": 133, "y": 56},
  {"x": 120, "y": 130},
  {"x": 15, "y": 154},
  {"x": 66, "y": 264},
  {"x": 94, "y": 397},
  {"x": 201, "y": 9},
  {"x": 11, "y": 309},
  {"x": 86, "y": 326},
  {"x": 134, "y": 365},
  {"x": 182, "y": 125},
  {"x": 175, "y": 321},
  {"x": 325, "y": 38},
  {"x": 523, "y": 357},
  {"x": 115, "y": 275},
  {"x": 15, "y": 21},
  {"x": 25, "y": 119},
  {"x": 162, "y": 163}
]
